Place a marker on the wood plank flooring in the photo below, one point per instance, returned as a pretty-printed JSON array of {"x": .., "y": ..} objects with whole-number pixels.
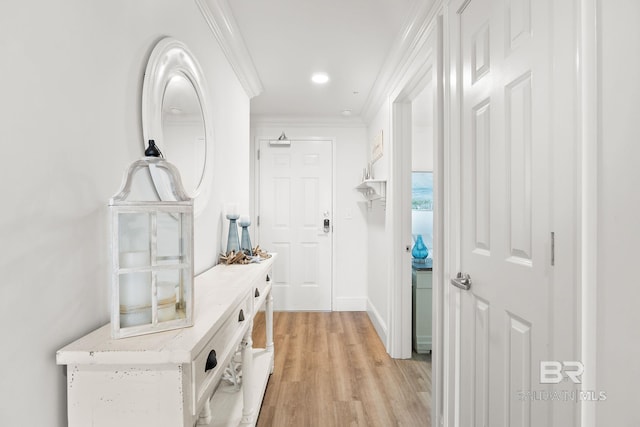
[{"x": 331, "y": 369}]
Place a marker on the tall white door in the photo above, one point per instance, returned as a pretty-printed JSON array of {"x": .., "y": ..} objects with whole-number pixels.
[
  {"x": 504, "y": 111},
  {"x": 295, "y": 209}
]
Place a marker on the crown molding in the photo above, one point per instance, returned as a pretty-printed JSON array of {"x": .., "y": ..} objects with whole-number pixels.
[
  {"x": 222, "y": 23},
  {"x": 306, "y": 122},
  {"x": 406, "y": 46}
]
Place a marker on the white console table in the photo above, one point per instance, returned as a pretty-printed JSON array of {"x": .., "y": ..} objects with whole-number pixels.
[{"x": 171, "y": 378}]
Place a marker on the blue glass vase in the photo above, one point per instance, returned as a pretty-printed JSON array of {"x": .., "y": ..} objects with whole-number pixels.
[
  {"x": 245, "y": 242},
  {"x": 233, "y": 241},
  {"x": 419, "y": 251}
]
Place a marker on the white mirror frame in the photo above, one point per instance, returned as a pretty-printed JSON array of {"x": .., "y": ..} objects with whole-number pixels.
[{"x": 168, "y": 59}]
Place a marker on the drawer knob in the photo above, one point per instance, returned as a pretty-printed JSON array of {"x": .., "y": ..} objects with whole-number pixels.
[
  {"x": 241, "y": 316},
  {"x": 268, "y": 278},
  {"x": 257, "y": 294},
  {"x": 212, "y": 361}
]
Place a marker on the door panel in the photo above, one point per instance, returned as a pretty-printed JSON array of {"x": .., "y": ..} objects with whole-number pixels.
[
  {"x": 295, "y": 199},
  {"x": 504, "y": 144}
]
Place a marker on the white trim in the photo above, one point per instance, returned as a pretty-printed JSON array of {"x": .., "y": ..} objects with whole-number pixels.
[
  {"x": 439, "y": 236},
  {"x": 306, "y": 122},
  {"x": 407, "y": 86},
  {"x": 333, "y": 220},
  {"x": 398, "y": 219},
  {"x": 451, "y": 327},
  {"x": 412, "y": 36},
  {"x": 590, "y": 136},
  {"x": 222, "y": 23},
  {"x": 377, "y": 320},
  {"x": 350, "y": 304}
]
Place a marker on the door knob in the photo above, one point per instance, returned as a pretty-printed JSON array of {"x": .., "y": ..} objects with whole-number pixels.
[{"x": 462, "y": 281}]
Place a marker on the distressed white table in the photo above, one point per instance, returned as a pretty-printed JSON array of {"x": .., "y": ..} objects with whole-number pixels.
[{"x": 168, "y": 378}]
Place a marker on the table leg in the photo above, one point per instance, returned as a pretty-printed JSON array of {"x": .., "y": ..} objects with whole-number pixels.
[{"x": 248, "y": 410}]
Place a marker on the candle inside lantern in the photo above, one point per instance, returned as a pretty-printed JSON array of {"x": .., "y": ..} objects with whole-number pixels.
[
  {"x": 166, "y": 290},
  {"x": 135, "y": 290},
  {"x": 132, "y": 259},
  {"x": 166, "y": 301},
  {"x": 135, "y": 287}
]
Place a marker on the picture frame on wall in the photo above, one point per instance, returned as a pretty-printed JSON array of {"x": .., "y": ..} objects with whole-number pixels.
[
  {"x": 422, "y": 191},
  {"x": 377, "y": 147}
]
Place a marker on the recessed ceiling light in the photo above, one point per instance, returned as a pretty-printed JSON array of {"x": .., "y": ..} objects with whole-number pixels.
[
  {"x": 320, "y": 78},
  {"x": 346, "y": 112}
]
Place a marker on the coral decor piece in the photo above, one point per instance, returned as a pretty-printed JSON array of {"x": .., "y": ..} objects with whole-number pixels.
[{"x": 240, "y": 257}]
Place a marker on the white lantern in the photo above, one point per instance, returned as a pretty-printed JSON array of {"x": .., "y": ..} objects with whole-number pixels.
[{"x": 152, "y": 251}]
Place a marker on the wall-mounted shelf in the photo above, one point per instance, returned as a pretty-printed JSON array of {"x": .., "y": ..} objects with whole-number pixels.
[{"x": 373, "y": 189}]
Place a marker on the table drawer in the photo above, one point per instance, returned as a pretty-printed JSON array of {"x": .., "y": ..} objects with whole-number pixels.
[
  {"x": 261, "y": 290},
  {"x": 209, "y": 364}
]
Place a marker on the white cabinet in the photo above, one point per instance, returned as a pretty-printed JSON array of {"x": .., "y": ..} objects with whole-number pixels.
[
  {"x": 422, "y": 300},
  {"x": 170, "y": 378}
]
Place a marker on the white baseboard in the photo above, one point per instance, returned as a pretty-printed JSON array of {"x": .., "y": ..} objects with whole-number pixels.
[
  {"x": 378, "y": 323},
  {"x": 350, "y": 304},
  {"x": 422, "y": 343}
]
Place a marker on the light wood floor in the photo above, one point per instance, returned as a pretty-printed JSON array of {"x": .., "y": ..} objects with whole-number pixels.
[{"x": 331, "y": 369}]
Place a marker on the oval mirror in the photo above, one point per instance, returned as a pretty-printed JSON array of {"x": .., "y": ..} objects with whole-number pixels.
[
  {"x": 184, "y": 142},
  {"x": 174, "y": 115}
]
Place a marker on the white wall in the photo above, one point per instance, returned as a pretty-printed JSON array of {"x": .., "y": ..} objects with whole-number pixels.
[
  {"x": 618, "y": 293},
  {"x": 71, "y": 84},
  {"x": 379, "y": 256},
  {"x": 405, "y": 75},
  {"x": 422, "y": 130},
  {"x": 349, "y": 213}
]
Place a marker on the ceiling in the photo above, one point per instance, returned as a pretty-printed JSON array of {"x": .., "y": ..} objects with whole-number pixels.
[{"x": 289, "y": 40}]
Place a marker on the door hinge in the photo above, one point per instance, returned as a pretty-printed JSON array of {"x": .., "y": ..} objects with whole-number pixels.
[
  {"x": 258, "y": 220},
  {"x": 258, "y": 154},
  {"x": 553, "y": 248}
]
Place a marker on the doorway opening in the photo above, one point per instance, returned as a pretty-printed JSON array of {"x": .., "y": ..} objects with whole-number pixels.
[
  {"x": 422, "y": 222},
  {"x": 417, "y": 146}
]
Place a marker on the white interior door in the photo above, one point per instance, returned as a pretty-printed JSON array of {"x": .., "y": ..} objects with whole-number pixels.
[
  {"x": 295, "y": 209},
  {"x": 505, "y": 318}
]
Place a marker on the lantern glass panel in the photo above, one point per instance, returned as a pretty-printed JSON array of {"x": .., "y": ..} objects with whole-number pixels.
[
  {"x": 169, "y": 295},
  {"x": 135, "y": 299},
  {"x": 134, "y": 239},
  {"x": 169, "y": 238}
]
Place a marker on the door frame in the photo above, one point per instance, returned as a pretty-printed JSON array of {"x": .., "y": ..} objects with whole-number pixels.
[
  {"x": 255, "y": 209},
  {"x": 428, "y": 62},
  {"x": 589, "y": 121}
]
